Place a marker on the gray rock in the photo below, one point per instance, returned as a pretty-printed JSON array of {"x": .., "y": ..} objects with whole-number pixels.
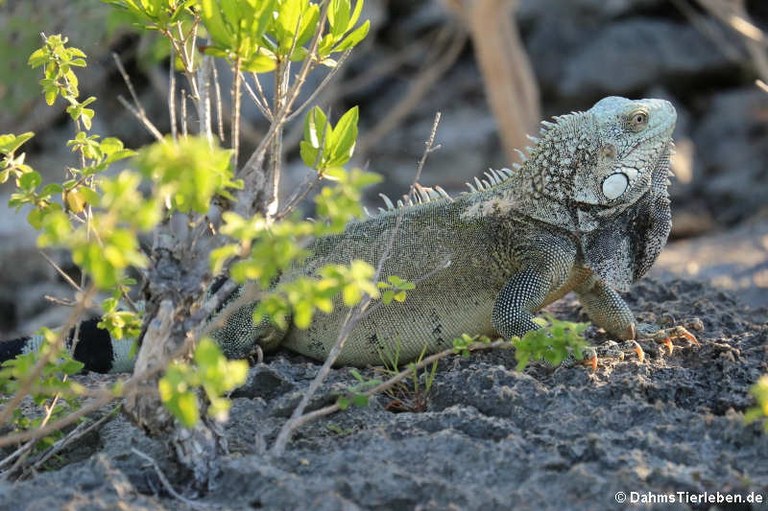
[
  {"x": 625, "y": 56},
  {"x": 731, "y": 143}
]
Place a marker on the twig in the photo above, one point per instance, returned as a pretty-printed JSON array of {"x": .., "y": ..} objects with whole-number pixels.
[
  {"x": 323, "y": 84},
  {"x": 172, "y": 95},
  {"x": 263, "y": 108},
  {"x": 138, "y": 109},
  {"x": 205, "y": 124},
  {"x": 219, "y": 108},
  {"x": 428, "y": 149},
  {"x": 166, "y": 483},
  {"x": 353, "y": 317},
  {"x": 34, "y": 373},
  {"x": 61, "y": 272},
  {"x": 255, "y": 163},
  {"x": 74, "y": 435},
  {"x": 405, "y": 373}
]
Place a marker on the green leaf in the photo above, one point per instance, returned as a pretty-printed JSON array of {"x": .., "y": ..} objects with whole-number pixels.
[
  {"x": 10, "y": 142},
  {"x": 354, "y": 38},
  {"x": 341, "y": 142},
  {"x": 338, "y": 17},
  {"x": 259, "y": 64},
  {"x": 315, "y": 127}
]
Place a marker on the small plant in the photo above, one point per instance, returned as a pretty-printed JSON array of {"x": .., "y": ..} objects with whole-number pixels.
[
  {"x": 759, "y": 412},
  {"x": 407, "y": 395},
  {"x": 553, "y": 343},
  {"x": 356, "y": 395},
  {"x": 53, "y": 393}
]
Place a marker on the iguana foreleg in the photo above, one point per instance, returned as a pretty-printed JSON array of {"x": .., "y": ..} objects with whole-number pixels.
[
  {"x": 606, "y": 308},
  {"x": 528, "y": 290}
]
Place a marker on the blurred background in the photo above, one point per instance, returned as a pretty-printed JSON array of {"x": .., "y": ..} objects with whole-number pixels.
[{"x": 493, "y": 68}]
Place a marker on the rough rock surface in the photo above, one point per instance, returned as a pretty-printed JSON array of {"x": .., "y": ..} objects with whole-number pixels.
[{"x": 490, "y": 437}]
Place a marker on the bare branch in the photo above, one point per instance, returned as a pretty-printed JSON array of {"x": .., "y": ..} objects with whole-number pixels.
[
  {"x": 402, "y": 375},
  {"x": 137, "y": 110}
]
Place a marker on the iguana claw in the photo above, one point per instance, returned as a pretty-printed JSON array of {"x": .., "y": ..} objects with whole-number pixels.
[{"x": 666, "y": 335}]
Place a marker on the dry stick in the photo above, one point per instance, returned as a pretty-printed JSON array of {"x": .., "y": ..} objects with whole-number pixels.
[
  {"x": 734, "y": 14},
  {"x": 205, "y": 125},
  {"x": 172, "y": 95},
  {"x": 421, "y": 85},
  {"x": 236, "y": 100},
  {"x": 256, "y": 100},
  {"x": 323, "y": 84},
  {"x": 167, "y": 484},
  {"x": 81, "y": 430},
  {"x": 219, "y": 107},
  {"x": 406, "y": 373},
  {"x": 429, "y": 149},
  {"x": 713, "y": 31},
  {"x": 510, "y": 84},
  {"x": 184, "y": 130},
  {"x": 137, "y": 110},
  {"x": 353, "y": 317},
  {"x": 61, "y": 272},
  {"x": 256, "y": 160}
]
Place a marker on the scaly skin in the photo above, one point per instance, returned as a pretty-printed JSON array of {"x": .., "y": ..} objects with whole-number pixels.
[{"x": 588, "y": 211}]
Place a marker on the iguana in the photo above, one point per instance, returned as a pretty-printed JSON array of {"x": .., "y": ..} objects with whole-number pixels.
[{"x": 587, "y": 211}]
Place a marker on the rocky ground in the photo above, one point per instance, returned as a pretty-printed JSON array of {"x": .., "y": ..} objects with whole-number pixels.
[{"x": 488, "y": 436}]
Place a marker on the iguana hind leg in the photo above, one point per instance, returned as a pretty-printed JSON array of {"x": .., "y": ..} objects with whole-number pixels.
[{"x": 238, "y": 336}]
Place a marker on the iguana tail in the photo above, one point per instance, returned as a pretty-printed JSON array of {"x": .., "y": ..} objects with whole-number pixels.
[{"x": 95, "y": 348}]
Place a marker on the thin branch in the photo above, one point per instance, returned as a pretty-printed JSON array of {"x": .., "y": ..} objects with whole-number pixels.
[
  {"x": 142, "y": 119},
  {"x": 236, "y": 101},
  {"x": 184, "y": 128},
  {"x": 219, "y": 107},
  {"x": 356, "y": 314},
  {"x": 172, "y": 95},
  {"x": 137, "y": 110},
  {"x": 255, "y": 163},
  {"x": 205, "y": 124},
  {"x": 61, "y": 272},
  {"x": 402, "y": 375},
  {"x": 299, "y": 196},
  {"x": 429, "y": 149},
  {"x": 257, "y": 101},
  {"x": 80, "y": 431},
  {"x": 34, "y": 374},
  {"x": 323, "y": 84}
]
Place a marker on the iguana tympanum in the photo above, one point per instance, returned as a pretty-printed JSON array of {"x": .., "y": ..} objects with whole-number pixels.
[{"x": 587, "y": 211}]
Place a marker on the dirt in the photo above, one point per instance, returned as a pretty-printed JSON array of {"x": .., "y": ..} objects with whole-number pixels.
[{"x": 489, "y": 437}]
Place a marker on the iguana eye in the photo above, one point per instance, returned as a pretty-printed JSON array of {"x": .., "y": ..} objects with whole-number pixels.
[
  {"x": 615, "y": 185},
  {"x": 638, "y": 120}
]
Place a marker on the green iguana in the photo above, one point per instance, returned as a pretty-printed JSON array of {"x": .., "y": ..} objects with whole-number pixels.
[{"x": 587, "y": 211}]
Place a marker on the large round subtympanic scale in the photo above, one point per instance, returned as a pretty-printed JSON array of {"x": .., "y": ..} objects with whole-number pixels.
[{"x": 615, "y": 185}]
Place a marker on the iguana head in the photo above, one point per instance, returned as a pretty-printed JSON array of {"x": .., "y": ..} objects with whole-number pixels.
[
  {"x": 590, "y": 166},
  {"x": 629, "y": 138}
]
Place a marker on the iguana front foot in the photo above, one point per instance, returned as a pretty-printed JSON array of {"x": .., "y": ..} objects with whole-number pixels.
[
  {"x": 665, "y": 336},
  {"x": 612, "y": 350}
]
